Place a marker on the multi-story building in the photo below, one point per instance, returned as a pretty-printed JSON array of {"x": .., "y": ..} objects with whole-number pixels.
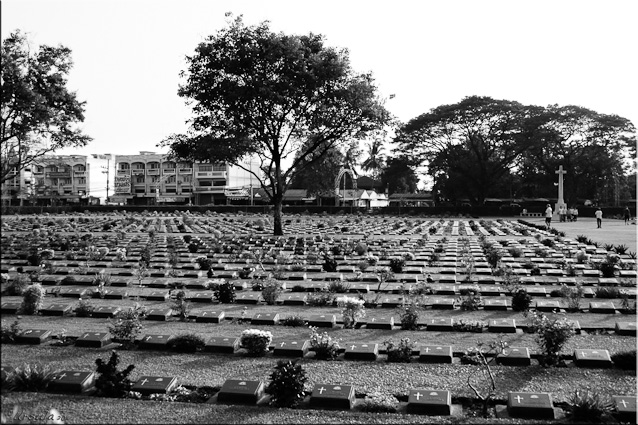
[
  {"x": 50, "y": 180},
  {"x": 152, "y": 179}
]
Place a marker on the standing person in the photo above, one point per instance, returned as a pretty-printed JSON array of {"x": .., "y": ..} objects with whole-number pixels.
[
  {"x": 627, "y": 215},
  {"x": 562, "y": 211},
  {"x": 575, "y": 213},
  {"x": 570, "y": 214},
  {"x": 548, "y": 216},
  {"x": 599, "y": 217}
]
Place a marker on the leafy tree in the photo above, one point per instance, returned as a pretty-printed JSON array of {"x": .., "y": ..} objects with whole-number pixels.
[
  {"x": 375, "y": 158},
  {"x": 39, "y": 113},
  {"x": 478, "y": 140},
  {"x": 398, "y": 176},
  {"x": 318, "y": 177},
  {"x": 278, "y": 98}
]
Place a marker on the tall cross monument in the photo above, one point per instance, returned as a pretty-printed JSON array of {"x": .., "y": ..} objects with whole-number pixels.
[{"x": 561, "y": 200}]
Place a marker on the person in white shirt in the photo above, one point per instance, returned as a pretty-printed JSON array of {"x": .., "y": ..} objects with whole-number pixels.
[
  {"x": 548, "y": 216},
  {"x": 599, "y": 217}
]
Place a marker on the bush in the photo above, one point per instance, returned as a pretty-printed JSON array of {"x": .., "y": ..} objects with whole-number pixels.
[
  {"x": 204, "y": 262},
  {"x": 33, "y": 377},
  {"x": 187, "y": 343},
  {"x": 84, "y": 308},
  {"x": 9, "y": 333},
  {"x": 463, "y": 325},
  {"x": 293, "y": 321},
  {"x": 111, "y": 382},
  {"x": 470, "y": 302},
  {"x": 338, "y": 286},
  {"x": 608, "y": 292},
  {"x": 380, "y": 403},
  {"x": 409, "y": 316},
  {"x": 400, "y": 353},
  {"x": 180, "y": 305},
  {"x": 286, "y": 386},
  {"x": 493, "y": 256},
  {"x": 586, "y": 406},
  {"x": 32, "y": 299},
  {"x": 521, "y": 300},
  {"x": 256, "y": 342},
  {"x": 323, "y": 345},
  {"x": 18, "y": 284},
  {"x": 625, "y": 360},
  {"x": 320, "y": 298},
  {"x": 572, "y": 296},
  {"x": 352, "y": 310},
  {"x": 396, "y": 265},
  {"x": 361, "y": 248},
  {"x": 551, "y": 336},
  {"x": 225, "y": 293},
  {"x": 329, "y": 264},
  {"x": 127, "y": 325},
  {"x": 271, "y": 291}
]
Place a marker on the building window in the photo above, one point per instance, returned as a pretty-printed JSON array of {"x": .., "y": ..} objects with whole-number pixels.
[
  {"x": 219, "y": 167},
  {"x": 124, "y": 166},
  {"x": 82, "y": 180},
  {"x": 219, "y": 183},
  {"x": 140, "y": 190},
  {"x": 139, "y": 179},
  {"x": 205, "y": 168},
  {"x": 171, "y": 190}
]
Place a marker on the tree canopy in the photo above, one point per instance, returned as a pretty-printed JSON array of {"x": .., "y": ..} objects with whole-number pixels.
[
  {"x": 39, "y": 113},
  {"x": 279, "y": 98}
]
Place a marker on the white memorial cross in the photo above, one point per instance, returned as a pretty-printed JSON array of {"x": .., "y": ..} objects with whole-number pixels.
[
  {"x": 623, "y": 402},
  {"x": 144, "y": 381},
  {"x": 418, "y": 395},
  {"x": 560, "y": 173},
  {"x": 321, "y": 390},
  {"x": 518, "y": 398}
]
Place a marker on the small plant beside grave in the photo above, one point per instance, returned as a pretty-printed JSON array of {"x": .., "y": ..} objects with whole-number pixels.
[
  {"x": 329, "y": 264},
  {"x": 572, "y": 296},
  {"x": 110, "y": 381},
  {"x": 378, "y": 402},
  {"x": 180, "y": 306},
  {"x": 32, "y": 377},
  {"x": 608, "y": 265},
  {"x": 225, "y": 293},
  {"x": 294, "y": 320},
  {"x": 338, "y": 287},
  {"x": 409, "y": 316},
  {"x": 484, "y": 355},
  {"x": 471, "y": 301},
  {"x": 401, "y": 352},
  {"x": 255, "y": 341},
  {"x": 465, "y": 325},
  {"x": 204, "y": 262},
  {"x": 397, "y": 264},
  {"x": 187, "y": 343},
  {"x": 18, "y": 284},
  {"x": 521, "y": 300},
  {"x": 32, "y": 299},
  {"x": 323, "y": 345},
  {"x": 8, "y": 334},
  {"x": 551, "y": 336},
  {"x": 590, "y": 407},
  {"x": 286, "y": 386},
  {"x": 84, "y": 308},
  {"x": 352, "y": 310},
  {"x": 625, "y": 360},
  {"x": 320, "y": 298},
  {"x": 271, "y": 291},
  {"x": 127, "y": 325}
]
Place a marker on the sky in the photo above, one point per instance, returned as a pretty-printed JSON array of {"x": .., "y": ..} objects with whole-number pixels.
[{"x": 128, "y": 54}]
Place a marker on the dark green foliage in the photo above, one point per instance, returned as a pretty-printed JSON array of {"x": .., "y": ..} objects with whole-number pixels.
[
  {"x": 463, "y": 325},
  {"x": 608, "y": 292},
  {"x": 625, "y": 360},
  {"x": 470, "y": 302},
  {"x": 396, "y": 265},
  {"x": 329, "y": 264},
  {"x": 9, "y": 333},
  {"x": 180, "y": 305},
  {"x": 111, "y": 382},
  {"x": 286, "y": 386},
  {"x": 320, "y": 298},
  {"x": 84, "y": 308},
  {"x": 338, "y": 286},
  {"x": 409, "y": 316},
  {"x": 493, "y": 256},
  {"x": 590, "y": 407},
  {"x": 32, "y": 299},
  {"x": 193, "y": 248},
  {"x": 32, "y": 378},
  {"x": 225, "y": 293},
  {"x": 293, "y": 321},
  {"x": 521, "y": 300},
  {"x": 187, "y": 343},
  {"x": 271, "y": 291},
  {"x": 401, "y": 352}
]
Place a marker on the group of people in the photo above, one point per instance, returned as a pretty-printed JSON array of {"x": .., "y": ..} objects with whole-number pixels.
[
  {"x": 571, "y": 214},
  {"x": 567, "y": 214}
]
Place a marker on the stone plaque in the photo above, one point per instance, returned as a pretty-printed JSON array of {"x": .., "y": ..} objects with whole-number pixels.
[
  {"x": 208, "y": 316},
  {"x": 592, "y": 358},
  {"x": 155, "y": 342},
  {"x": 121, "y": 281},
  {"x": 148, "y": 385},
  {"x": 161, "y": 314},
  {"x": 105, "y": 311},
  {"x": 236, "y": 391},
  {"x": 429, "y": 402},
  {"x": 605, "y": 307},
  {"x": 158, "y": 283},
  {"x": 495, "y": 305},
  {"x": 380, "y": 323},
  {"x": 530, "y": 405},
  {"x": 490, "y": 290},
  {"x": 442, "y": 303},
  {"x": 547, "y": 305},
  {"x": 502, "y": 325},
  {"x": 115, "y": 294},
  {"x": 291, "y": 348},
  {"x": 93, "y": 340},
  {"x": 444, "y": 289},
  {"x": 435, "y": 354},
  {"x": 247, "y": 298},
  {"x": 626, "y": 328},
  {"x": 69, "y": 381},
  {"x": 439, "y": 325},
  {"x": 157, "y": 296},
  {"x": 332, "y": 397},
  {"x": 514, "y": 356},
  {"x": 536, "y": 291},
  {"x": 222, "y": 344},
  {"x": 356, "y": 287},
  {"x": 391, "y": 301},
  {"x": 322, "y": 320},
  {"x": 294, "y": 299},
  {"x": 9, "y": 308},
  {"x": 33, "y": 336},
  {"x": 626, "y": 407},
  {"x": 73, "y": 292},
  {"x": 265, "y": 319},
  {"x": 200, "y": 297},
  {"x": 361, "y": 352}
]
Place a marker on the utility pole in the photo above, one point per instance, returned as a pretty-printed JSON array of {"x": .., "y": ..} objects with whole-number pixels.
[{"x": 106, "y": 171}]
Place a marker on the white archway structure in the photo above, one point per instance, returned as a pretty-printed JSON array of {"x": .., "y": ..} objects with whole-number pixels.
[{"x": 342, "y": 172}]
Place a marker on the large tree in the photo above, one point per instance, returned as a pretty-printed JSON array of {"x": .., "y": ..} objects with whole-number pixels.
[
  {"x": 375, "y": 158},
  {"x": 318, "y": 177},
  {"x": 399, "y": 176},
  {"x": 39, "y": 113},
  {"x": 264, "y": 94},
  {"x": 478, "y": 140}
]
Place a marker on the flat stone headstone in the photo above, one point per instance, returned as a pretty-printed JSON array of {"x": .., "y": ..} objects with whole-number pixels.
[
  {"x": 429, "y": 402},
  {"x": 155, "y": 342},
  {"x": 442, "y": 303},
  {"x": 121, "y": 281},
  {"x": 208, "y": 316},
  {"x": 536, "y": 291},
  {"x": 626, "y": 408},
  {"x": 439, "y": 325},
  {"x": 530, "y": 405},
  {"x": 73, "y": 292},
  {"x": 33, "y": 336},
  {"x": 356, "y": 287},
  {"x": 56, "y": 309},
  {"x": 608, "y": 281},
  {"x": 148, "y": 385},
  {"x": 50, "y": 280},
  {"x": 332, "y": 397},
  {"x": 161, "y": 314},
  {"x": 595, "y": 358},
  {"x": 292, "y": 348},
  {"x": 444, "y": 289},
  {"x": 435, "y": 354},
  {"x": 502, "y": 325},
  {"x": 115, "y": 294},
  {"x": 626, "y": 328},
  {"x": 236, "y": 391},
  {"x": 9, "y": 307},
  {"x": 515, "y": 356},
  {"x": 605, "y": 307},
  {"x": 380, "y": 323},
  {"x": 105, "y": 311},
  {"x": 322, "y": 320},
  {"x": 547, "y": 305},
  {"x": 495, "y": 305},
  {"x": 265, "y": 319},
  {"x": 222, "y": 344},
  {"x": 490, "y": 290},
  {"x": 361, "y": 352},
  {"x": 72, "y": 382},
  {"x": 391, "y": 301},
  {"x": 157, "y": 283},
  {"x": 200, "y": 297},
  {"x": 93, "y": 340},
  {"x": 293, "y": 299},
  {"x": 247, "y": 298}
]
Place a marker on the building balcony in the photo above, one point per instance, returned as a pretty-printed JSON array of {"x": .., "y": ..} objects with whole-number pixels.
[
  {"x": 152, "y": 172},
  {"x": 186, "y": 171},
  {"x": 211, "y": 174},
  {"x": 79, "y": 173},
  {"x": 209, "y": 189},
  {"x": 166, "y": 171},
  {"x": 126, "y": 172},
  {"x": 138, "y": 171}
]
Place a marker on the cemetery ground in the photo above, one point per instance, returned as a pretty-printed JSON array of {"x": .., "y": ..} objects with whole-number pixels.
[{"x": 596, "y": 330}]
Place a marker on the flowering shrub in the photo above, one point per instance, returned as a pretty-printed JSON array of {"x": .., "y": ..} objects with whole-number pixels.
[
  {"x": 551, "y": 335},
  {"x": 32, "y": 299},
  {"x": 286, "y": 385},
  {"x": 352, "y": 309},
  {"x": 401, "y": 352},
  {"x": 324, "y": 346},
  {"x": 256, "y": 341}
]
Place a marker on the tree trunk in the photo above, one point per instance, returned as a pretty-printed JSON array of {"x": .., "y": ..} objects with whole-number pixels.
[{"x": 277, "y": 228}]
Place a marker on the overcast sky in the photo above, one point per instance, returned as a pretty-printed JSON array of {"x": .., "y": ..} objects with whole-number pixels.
[{"x": 128, "y": 54}]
